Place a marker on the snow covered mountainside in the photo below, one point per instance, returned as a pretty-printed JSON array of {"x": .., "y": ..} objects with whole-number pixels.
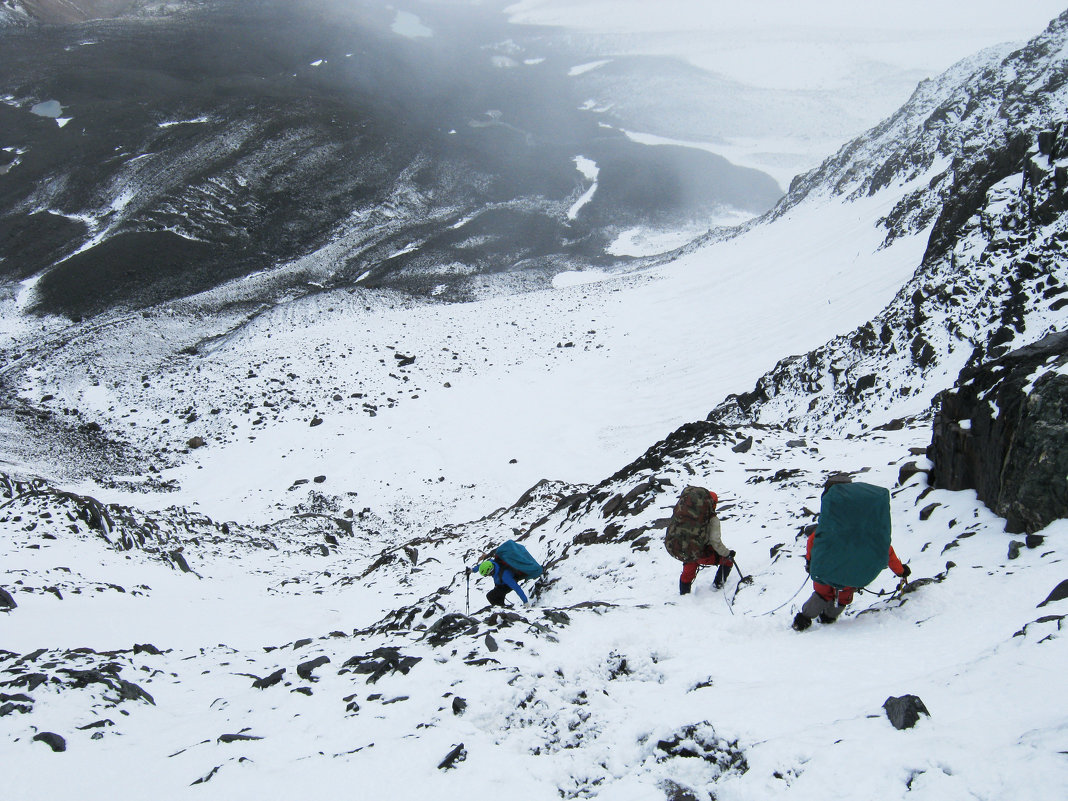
[{"x": 234, "y": 534}]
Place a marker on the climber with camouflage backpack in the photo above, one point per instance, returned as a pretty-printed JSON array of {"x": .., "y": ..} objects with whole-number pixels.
[
  {"x": 847, "y": 548},
  {"x": 693, "y": 537},
  {"x": 508, "y": 564}
]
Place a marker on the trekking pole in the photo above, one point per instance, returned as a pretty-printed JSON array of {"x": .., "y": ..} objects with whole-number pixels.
[{"x": 468, "y": 591}]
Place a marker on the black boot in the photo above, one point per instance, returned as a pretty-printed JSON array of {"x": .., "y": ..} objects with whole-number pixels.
[
  {"x": 801, "y": 622},
  {"x": 684, "y": 587},
  {"x": 721, "y": 577},
  {"x": 826, "y": 619}
]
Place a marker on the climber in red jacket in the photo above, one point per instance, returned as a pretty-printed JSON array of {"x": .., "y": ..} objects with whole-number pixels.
[{"x": 827, "y": 602}]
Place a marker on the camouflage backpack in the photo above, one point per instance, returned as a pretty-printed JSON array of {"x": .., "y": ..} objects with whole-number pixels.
[{"x": 685, "y": 535}]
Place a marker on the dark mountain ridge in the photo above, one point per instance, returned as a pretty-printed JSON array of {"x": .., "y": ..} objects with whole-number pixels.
[{"x": 234, "y": 138}]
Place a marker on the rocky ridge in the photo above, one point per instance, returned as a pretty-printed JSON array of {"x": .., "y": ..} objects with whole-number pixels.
[{"x": 979, "y": 157}]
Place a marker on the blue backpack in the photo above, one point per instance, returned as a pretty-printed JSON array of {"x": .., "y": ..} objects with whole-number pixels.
[{"x": 518, "y": 558}]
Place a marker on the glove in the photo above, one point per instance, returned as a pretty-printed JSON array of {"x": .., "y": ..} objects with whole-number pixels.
[
  {"x": 906, "y": 571},
  {"x": 730, "y": 554},
  {"x": 808, "y": 566}
]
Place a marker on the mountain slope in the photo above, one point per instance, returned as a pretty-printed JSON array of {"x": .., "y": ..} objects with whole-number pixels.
[
  {"x": 295, "y": 612},
  {"x": 156, "y": 158},
  {"x": 980, "y": 161}
]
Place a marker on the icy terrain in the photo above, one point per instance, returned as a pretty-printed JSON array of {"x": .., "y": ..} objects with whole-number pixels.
[{"x": 268, "y": 597}]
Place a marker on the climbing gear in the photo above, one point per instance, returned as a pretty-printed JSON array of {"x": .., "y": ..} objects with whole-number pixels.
[
  {"x": 742, "y": 579},
  {"x": 784, "y": 603}
]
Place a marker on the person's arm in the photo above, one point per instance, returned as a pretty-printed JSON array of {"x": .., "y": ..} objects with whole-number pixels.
[
  {"x": 509, "y": 581},
  {"x": 715, "y": 538},
  {"x": 895, "y": 565}
]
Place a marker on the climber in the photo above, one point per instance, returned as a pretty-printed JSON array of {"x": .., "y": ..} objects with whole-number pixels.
[
  {"x": 847, "y": 548},
  {"x": 508, "y": 564},
  {"x": 693, "y": 537}
]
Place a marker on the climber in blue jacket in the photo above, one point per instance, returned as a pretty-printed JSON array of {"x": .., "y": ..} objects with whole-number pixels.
[{"x": 504, "y": 581}]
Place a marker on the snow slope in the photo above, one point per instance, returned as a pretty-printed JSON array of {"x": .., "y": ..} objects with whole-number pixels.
[{"x": 286, "y": 607}]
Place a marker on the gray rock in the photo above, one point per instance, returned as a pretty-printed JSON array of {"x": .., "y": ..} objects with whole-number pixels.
[
  {"x": 743, "y": 446},
  {"x": 1014, "y": 452},
  {"x": 52, "y": 740},
  {"x": 1060, "y": 592},
  {"x": 269, "y": 681},
  {"x": 453, "y": 758},
  {"x": 904, "y": 711},
  {"x": 304, "y": 669},
  {"x": 6, "y": 601}
]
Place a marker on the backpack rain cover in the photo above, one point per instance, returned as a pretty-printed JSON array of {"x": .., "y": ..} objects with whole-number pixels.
[
  {"x": 852, "y": 543},
  {"x": 519, "y": 559}
]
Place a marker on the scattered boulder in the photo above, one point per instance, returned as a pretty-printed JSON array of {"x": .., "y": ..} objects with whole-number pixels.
[
  {"x": 1003, "y": 431},
  {"x": 6, "y": 601},
  {"x": 1060, "y": 592},
  {"x": 52, "y": 740},
  {"x": 743, "y": 446},
  {"x": 196, "y": 442},
  {"x": 459, "y": 705},
  {"x": 907, "y": 471},
  {"x": 449, "y": 627},
  {"x": 380, "y": 662},
  {"x": 904, "y": 711},
  {"x": 453, "y": 758},
  {"x": 269, "y": 681},
  {"x": 304, "y": 669},
  {"x": 235, "y": 738}
]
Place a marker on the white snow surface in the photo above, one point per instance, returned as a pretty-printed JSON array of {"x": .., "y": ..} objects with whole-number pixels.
[{"x": 568, "y": 384}]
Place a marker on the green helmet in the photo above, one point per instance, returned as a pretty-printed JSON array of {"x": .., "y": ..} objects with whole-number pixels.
[{"x": 485, "y": 568}]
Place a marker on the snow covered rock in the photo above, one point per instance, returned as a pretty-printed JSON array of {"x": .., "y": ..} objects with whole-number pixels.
[{"x": 1003, "y": 431}]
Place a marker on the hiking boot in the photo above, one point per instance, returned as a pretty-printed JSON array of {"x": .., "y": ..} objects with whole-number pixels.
[
  {"x": 801, "y": 622},
  {"x": 684, "y": 587},
  {"x": 826, "y": 619}
]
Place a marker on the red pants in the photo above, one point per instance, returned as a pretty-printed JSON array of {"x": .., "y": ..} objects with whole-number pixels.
[
  {"x": 689, "y": 569},
  {"x": 827, "y": 593}
]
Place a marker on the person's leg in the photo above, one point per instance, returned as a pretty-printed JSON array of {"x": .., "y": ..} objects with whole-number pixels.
[
  {"x": 689, "y": 573},
  {"x": 831, "y": 613},
  {"x": 496, "y": 595},
  {"x": 725, "y": 567},
  {"x": 821, "y": 599}
]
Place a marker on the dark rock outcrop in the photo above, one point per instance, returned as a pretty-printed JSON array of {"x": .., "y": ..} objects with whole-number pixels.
[
  {"x": 1059, "y": 593},
  {"x": 1003, "y": 431}
]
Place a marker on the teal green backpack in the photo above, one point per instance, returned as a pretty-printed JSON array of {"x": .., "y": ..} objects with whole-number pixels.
[{"x": 852, "y": 542}]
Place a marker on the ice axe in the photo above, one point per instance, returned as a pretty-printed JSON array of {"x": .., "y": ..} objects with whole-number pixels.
[{"x": 742, "y": 579}]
